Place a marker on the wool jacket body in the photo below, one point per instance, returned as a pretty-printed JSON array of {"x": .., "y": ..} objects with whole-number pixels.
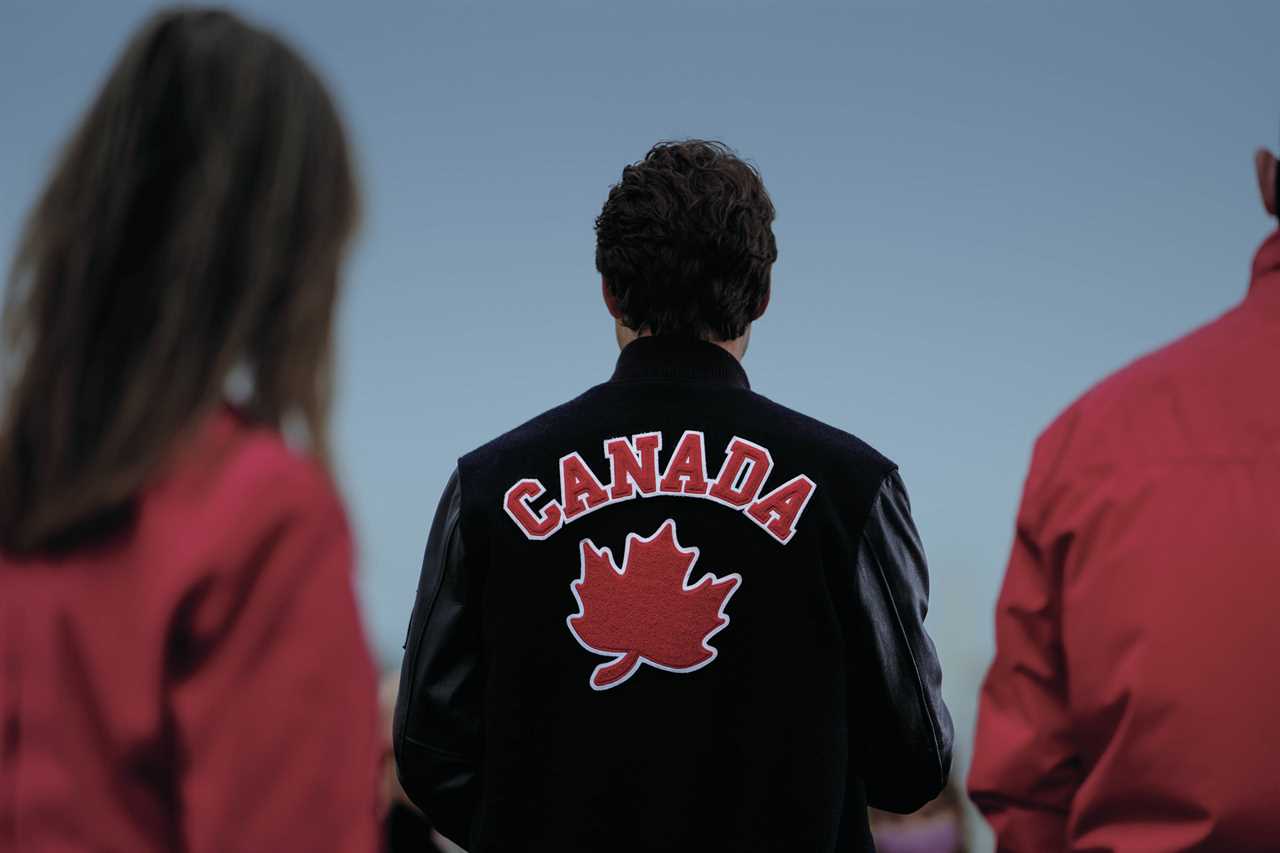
[{"x": 671, "y": 615}]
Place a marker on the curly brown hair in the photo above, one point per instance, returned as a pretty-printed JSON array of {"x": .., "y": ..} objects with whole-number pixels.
[{"x": 685, "y": 242}]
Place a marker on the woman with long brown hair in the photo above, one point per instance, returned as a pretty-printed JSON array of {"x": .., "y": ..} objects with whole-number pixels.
[{"x": 181, "y": 661}]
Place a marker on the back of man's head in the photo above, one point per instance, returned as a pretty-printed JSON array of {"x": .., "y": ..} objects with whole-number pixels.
[{"x": 685, "y": 242}]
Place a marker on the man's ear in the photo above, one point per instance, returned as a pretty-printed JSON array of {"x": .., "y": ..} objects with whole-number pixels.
[
  {"x": 1264, "y": 163},
  {"x": 610, "y": 301},
  {"x": 764, "y": 303}
]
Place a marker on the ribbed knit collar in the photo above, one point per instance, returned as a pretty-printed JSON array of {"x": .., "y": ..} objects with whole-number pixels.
[{"x": 669, "y": 358}]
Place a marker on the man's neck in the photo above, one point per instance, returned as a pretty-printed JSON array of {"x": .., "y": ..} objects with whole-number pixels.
[{"x": 736, "y": 347}]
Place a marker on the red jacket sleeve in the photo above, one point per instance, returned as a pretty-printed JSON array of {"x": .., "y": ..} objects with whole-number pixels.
[
  {"x": 276, "y": 714},
  {"x": 1025, "y": 769}
]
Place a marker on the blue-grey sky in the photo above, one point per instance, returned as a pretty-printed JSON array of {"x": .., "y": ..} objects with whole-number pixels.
[{"x": 983, "y": 208}]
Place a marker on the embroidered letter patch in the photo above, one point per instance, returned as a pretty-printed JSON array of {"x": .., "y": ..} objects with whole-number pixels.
[{"x": 634, "y": 473}]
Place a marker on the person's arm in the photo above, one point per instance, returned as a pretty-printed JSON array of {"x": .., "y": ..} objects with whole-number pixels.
[
  {"x": 1025, "y": 767},
  {"x": 901, "y": 731},
  {"x": 274, "y": 695},
  {"x": 437, "y": 720}
]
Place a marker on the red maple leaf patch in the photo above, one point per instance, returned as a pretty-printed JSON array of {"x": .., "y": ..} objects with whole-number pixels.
[{"x": 646, "y": 611}]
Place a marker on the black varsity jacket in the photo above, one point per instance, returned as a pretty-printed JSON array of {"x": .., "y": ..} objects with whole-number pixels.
[{"x": 671, "y": 615}]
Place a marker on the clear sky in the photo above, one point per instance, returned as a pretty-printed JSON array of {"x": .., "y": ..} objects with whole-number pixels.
[{"x": 983, "y": 208}]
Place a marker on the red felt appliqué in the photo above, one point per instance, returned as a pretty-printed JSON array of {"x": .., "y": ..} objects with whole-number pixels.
[{"x": 646, "y": 611}]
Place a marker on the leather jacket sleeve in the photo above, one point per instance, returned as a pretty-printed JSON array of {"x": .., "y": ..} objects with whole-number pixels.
[
  {"x": 437, "y": 718},
  {"x": 901, "y": 732}
]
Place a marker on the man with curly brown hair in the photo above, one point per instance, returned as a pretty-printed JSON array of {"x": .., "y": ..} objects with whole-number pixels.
[{"x": 672, "y": 615}]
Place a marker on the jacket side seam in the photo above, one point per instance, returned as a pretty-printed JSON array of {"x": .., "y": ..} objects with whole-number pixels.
[
  {"x": 921, "y": 695},
  {"x": 453, "y": 525},
  {"x": 440, "y": 751}
]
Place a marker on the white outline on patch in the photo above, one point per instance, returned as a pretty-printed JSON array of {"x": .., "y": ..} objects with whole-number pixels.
[{"x": 614, "y": 657}]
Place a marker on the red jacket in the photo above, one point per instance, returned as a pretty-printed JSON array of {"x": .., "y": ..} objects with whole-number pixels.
[
  {"x": 201, "y": 683},
  {"x": 1133, "y": 703}
]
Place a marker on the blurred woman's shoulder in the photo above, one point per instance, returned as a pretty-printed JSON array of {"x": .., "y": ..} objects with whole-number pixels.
[
  {"x": 233, "y": 490},
  {"x": 231, "y": 460}
]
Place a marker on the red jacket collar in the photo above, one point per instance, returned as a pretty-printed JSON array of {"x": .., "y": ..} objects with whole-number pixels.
[{"x": 1266, "y": 266}]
